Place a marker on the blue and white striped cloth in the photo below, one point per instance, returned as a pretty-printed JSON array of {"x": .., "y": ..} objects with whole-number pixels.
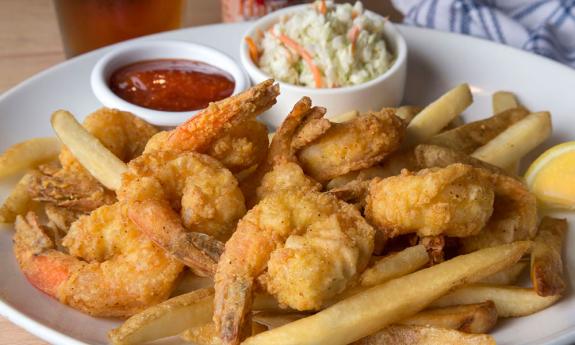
[{"x": 545, "y": 27}]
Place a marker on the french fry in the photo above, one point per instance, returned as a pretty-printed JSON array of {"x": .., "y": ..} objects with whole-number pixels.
[
  {"x": 546, "y": 263},
  {"x": 358, "y": 316},
  {"x": 431, "y": 156},
  {"x": 470, "y": 318},
  {"x": 510, "y": 301},
  {"x": 395, "y": 265},
  {"x": 27, "y": 155},
  {"x": 206, "y": 334},
  {"x": 407, "y": 112},
  {"x": 274, "y": 320},
  {"x": 503, "y": 100},
  {"x": 191, "y": 282},
  {"x": 166, "y": 319},
  {"x": 433, "y": 118},
  {"x": 516, "y": 141},
  {"x": 507, "y": 276},
  {"x": 18, "y": 201},
  {"x": 89, "y": 151},
  {"x": 421, "y": 335},
  {"x": 469, "y": 137},
  {"x": 174, "y": 316}
]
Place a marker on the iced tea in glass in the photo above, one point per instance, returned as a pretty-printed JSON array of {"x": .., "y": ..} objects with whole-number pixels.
[{"x": 89, "y": 24}]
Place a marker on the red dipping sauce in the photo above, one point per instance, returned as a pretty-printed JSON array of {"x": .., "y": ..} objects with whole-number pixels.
[{"x": 171, "y": 84}]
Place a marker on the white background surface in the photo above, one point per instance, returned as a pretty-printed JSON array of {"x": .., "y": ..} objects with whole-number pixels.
[{"x": 437, "y": 62}]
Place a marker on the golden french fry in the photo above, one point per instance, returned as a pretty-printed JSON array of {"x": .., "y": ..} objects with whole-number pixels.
[
  {"x": 433, "y": 118},
  {"x": 89, "y": 151},
  {"x": 206, "y": 334},
  {"x": 191, "y": 282},
  {"x": 516, "y": 141},
  {"x": 166, "y": 319},
  {"x": 470, "y": 318},
  {"x": 174, "y": 316},
  {"x": 274, "y": 320},
  {"x": 421, "y": 335},
  {"x": 503, "y": 100},
  {"x": 27, "y": 155},
  {"x": 395, "y": 265},
  {"x": 358, "y": 316},
  {"x": 431, "y": 156},
  {"x": 510, "y": 301},
  {"x": 469, "y": 137},
  {"x": 18, "y": 201},
  {"x": 507, "y": 276},
  {"x": 350, "y": 115},
  {"x": 407, "y": 112},
  {"x": 546, "y": 263}
]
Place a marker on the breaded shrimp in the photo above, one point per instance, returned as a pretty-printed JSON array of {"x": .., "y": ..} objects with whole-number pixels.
[
  {"x": 454, "y": 201},
  {"x": 242, "y": 146},
  {"x": 199, "y": 132},
  {"x": 111, "y": 270},
  {"x": 352, "y": 145},
  {"x": 175, "y": 197},
  {"x": 514, "y": 217},
  {"x": 71, "y": 186},
  {"x": 312, "y": 245},
  {"x": 281, "y": 148}
]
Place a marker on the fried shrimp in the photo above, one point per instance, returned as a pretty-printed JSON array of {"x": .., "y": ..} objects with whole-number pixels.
[
  {"x": 312, "y": 245},
  {"x": 454, "y": 201},
  {"x": 71, "y": 185},
  {"x": 352, "y": 145},
  {"x": 514, "y": 217},
  {"x": 242, "y": 146},
  {"x": 185, "y": 203},
  {"x": 111, "y": 269},
  {"x": 226, "y": 130},
  {"x": 199, "y": 132},
  {"x": 282, "y": 149}
]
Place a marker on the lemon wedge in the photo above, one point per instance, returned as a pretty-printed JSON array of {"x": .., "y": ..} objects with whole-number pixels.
[{"x": 551, "y": 177}]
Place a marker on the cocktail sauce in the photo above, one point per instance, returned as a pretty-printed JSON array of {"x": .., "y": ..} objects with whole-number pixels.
[{"x": 171, "y": 84}]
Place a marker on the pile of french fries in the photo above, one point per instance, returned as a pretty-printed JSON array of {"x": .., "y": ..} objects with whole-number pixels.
[{"x": 400, "y": 298}]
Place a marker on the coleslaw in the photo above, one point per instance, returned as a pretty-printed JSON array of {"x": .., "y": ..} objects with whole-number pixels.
[{"x": 324, "y": 45}]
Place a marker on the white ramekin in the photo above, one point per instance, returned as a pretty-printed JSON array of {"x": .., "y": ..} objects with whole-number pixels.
[
  {"x": 385, "y": 90},
  {"x": 138, "y": 51}
]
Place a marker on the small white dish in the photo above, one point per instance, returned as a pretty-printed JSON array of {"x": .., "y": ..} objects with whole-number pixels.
[
  {"x": 139, "y": 51},
  {"x": 384, "y": 90}
]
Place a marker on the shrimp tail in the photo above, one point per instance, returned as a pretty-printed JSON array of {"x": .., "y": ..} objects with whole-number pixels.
[
  {"x": 45, "y": 268},
  {"x": 162, "y": 225},
  {"x": 199, "y": 132},
  {"x": 232, "y": 310},
  {"x": 281, "y": 148}
]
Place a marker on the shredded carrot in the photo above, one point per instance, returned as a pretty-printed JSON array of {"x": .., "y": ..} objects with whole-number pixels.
[
  {"x": 352, "y": 35},
  {"x": 305, "y": 55},
  {"x": 322, "y": 7},
  {"x": 253, "y": 49}
]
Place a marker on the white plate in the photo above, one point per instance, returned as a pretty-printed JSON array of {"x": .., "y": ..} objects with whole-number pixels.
[{"x": 437, "y": 62}]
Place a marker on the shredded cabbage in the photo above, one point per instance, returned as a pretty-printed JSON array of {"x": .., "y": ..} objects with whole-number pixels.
[{"x": 328, "y": 39}]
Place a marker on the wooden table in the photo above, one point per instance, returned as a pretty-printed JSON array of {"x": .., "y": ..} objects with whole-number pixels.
[{"x": 30, "y": 43}]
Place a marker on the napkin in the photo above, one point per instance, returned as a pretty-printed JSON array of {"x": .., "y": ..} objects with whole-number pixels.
[{"x": 545, "y": 27}]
